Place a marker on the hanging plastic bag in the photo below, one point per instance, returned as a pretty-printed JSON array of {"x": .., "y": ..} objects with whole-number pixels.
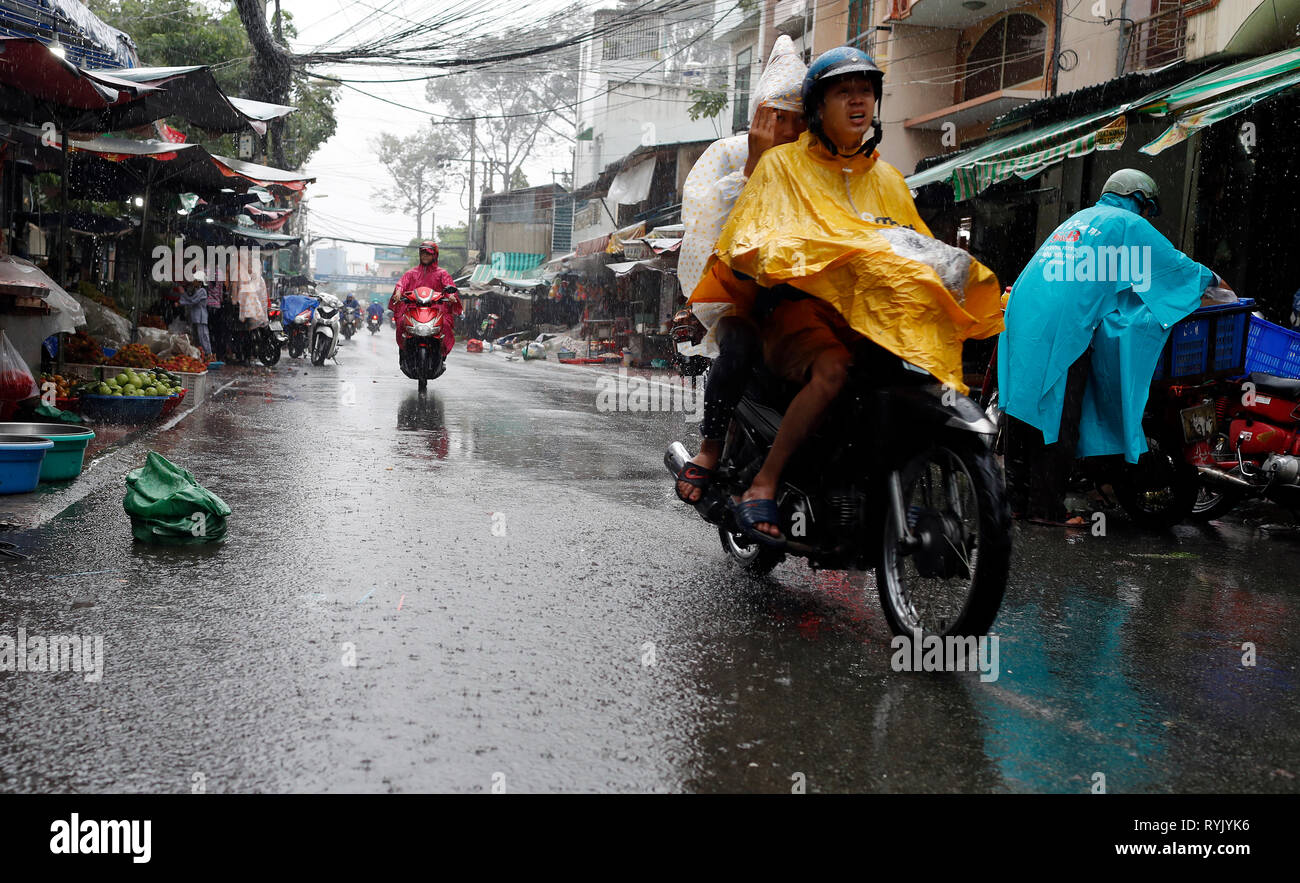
[
  {"x": 16, "y": 381},
  {"x": 167, "y": 505}
]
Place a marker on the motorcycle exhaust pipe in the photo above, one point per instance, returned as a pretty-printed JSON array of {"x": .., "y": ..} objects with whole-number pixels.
[
  {"x": 675, "y": 458},
  {"x": 1222, "y": 479}
]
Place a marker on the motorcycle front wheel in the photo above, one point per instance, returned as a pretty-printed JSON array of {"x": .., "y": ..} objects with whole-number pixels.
[
  {"x": 422, "y": 367},
  {"x": 948, "y": 576}
]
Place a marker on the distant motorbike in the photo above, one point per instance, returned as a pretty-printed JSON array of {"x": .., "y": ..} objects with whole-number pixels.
[
  {"x": 374, "y": 322},
  {"x": 427, "y": 332},
  {"x": 350, "y": 322},
  {"x": 297, "y": 311},
  {"x": 325, "y": 329},
  {"x": 900, "y": 478}
]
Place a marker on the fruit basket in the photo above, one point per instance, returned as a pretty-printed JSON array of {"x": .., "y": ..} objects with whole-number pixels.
[
  {"x": 121, "y": 409},
  {"x": 173, "y": 402}
]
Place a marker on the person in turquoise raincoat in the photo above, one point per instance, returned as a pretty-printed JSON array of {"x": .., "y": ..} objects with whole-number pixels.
[{"x": 1085, "y": 324}]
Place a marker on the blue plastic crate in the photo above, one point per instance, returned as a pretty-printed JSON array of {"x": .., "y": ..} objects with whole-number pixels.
[
  {"x": 1210, "y": 342},
  {"x": 1272, "y": 349}
]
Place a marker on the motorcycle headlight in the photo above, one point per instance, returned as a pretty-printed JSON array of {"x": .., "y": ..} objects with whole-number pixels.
[{"x": 424, "y": 329}]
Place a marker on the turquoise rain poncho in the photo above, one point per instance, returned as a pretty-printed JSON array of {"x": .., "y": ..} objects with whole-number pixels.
[{"x": 1108, "y": 279}]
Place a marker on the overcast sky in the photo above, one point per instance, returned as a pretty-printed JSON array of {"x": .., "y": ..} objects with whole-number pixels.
[{"x": 341, "y": 201}]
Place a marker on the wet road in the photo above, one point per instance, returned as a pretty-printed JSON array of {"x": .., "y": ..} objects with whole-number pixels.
[{"x": 502, "y": 560}]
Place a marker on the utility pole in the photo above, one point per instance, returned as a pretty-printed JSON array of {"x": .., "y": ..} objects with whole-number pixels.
[{"x": 469, "y": 229}]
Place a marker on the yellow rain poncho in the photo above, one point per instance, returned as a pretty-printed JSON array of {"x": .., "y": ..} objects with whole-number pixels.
[{"x": 846, "y": 230}]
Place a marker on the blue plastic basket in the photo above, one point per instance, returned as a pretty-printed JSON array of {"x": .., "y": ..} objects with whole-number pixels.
[
  {"x": 1211, "y": 342},
  {"x": 121, "y": 409},
  {"x": 1273, "y": 349}
]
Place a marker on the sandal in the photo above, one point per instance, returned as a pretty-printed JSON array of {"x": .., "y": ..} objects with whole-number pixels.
[
  {"x": 1077, "y": 522},
  {"x": 749, "y": 515},
  {"x": 696, "y": 476}
]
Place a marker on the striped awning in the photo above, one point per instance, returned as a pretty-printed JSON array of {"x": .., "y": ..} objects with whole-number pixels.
[
  {"x": 510, "y": 266},
  {"x": 1199, "y": 102},
  {"x": 1025, "y": 154}
]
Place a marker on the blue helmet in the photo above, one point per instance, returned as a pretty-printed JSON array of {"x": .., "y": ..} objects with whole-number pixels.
[
  {"x": 834, "y": 63},
  {"x": 838, "y": 62}
]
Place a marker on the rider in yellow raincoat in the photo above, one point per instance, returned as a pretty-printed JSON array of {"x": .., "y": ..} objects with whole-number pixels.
[{"x": 826, "y": 216}]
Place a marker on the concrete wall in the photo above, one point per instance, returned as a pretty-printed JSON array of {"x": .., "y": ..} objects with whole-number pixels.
[{"x": 525, "y": 238}]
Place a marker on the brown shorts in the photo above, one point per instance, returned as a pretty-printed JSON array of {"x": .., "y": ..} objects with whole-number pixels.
[{"x": 798, "y": 331}]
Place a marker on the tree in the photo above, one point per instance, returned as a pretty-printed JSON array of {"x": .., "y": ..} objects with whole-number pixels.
[
  {"x": 421, "y": 168},
  {"x": 517, "y": 107}
]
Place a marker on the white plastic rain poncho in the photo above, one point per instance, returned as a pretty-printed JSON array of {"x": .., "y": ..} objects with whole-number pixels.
[{"x": 717, "y": 178}]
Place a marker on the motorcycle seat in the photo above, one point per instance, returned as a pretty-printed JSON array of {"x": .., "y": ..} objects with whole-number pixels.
[{"x": 1271, "y": 383}]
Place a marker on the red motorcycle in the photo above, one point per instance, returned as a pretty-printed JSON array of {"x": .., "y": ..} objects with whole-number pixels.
[
  {"x": 426, "y": 332},
  {"x": 1255, "y": 450}
]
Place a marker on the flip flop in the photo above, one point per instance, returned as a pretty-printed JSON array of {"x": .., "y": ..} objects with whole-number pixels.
[
  {"x": 1047, "y": 522},
  {"x": 752, "y": 513},
  {"x": 696, "y": 476}
]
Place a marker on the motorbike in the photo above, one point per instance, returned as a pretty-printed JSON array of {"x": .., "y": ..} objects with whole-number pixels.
[
  {"x": 1248, "y": 444},
  {"x": 900, "y": 478},
  {"x": 427, "y": 320},
  {"x": 296, "y": 313},
  {"x": 269, "y": 338},
  {"x": 325, "y": 329},
  {"x": 350, "y": 322},
  {"x": 374, "y": 323}
]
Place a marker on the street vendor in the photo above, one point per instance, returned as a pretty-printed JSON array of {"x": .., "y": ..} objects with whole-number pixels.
[
  {"x": 195, "y": 304},
  {"x": 830, "y": 236},
  {"x": 726, "y": 331},
  {"x": 1086, "y": 322}
]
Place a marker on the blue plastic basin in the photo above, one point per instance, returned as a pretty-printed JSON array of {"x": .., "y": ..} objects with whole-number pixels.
[{"x": 20, "y": 462}]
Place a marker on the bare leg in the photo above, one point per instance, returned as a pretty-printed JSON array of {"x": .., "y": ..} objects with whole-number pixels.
[{"x": 829, "y": 373}]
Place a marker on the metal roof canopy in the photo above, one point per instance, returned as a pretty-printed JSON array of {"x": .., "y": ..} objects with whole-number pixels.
[{"x": 33, "y": 81}]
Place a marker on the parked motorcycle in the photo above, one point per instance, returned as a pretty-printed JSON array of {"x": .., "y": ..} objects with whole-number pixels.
[
  {"x": 1250, "y": 448},
  {"x": 899, "y": 478},
  {"x": 270, "y": 338},
  {"x": 427, "y": 320},
  {"x": 297, "y": 311},
  {"x": 325, "y": 329}
]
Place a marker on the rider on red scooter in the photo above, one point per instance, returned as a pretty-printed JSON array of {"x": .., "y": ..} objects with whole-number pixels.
[{"x": 427, "y": 275}]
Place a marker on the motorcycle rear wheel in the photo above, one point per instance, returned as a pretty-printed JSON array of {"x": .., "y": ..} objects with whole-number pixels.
[
  {"x": 269, "y": 351},
  {"x": 321, "y": 351},
  {"x": 952, "y": 581},
  {"x": 1160, "y": 491}
]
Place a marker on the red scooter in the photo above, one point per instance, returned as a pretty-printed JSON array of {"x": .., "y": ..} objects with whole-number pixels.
[{"x": 426, "y": 332}]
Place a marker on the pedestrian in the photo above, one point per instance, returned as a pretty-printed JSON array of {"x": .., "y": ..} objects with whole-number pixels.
[
  {"x": 195, "y": 303},
  {"x": 1085, "y": 324}
]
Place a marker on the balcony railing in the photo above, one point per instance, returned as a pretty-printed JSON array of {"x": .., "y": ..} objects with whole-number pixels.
[{"x": 1158, "y": 40}]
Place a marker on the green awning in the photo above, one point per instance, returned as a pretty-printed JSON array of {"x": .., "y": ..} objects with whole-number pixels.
[
  {"x": 1026, "y": 153},
  {"x": 509, "y": 267},
  {"x": 1194, "y": 104},
  {"x": 1231, "y": 92}
]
